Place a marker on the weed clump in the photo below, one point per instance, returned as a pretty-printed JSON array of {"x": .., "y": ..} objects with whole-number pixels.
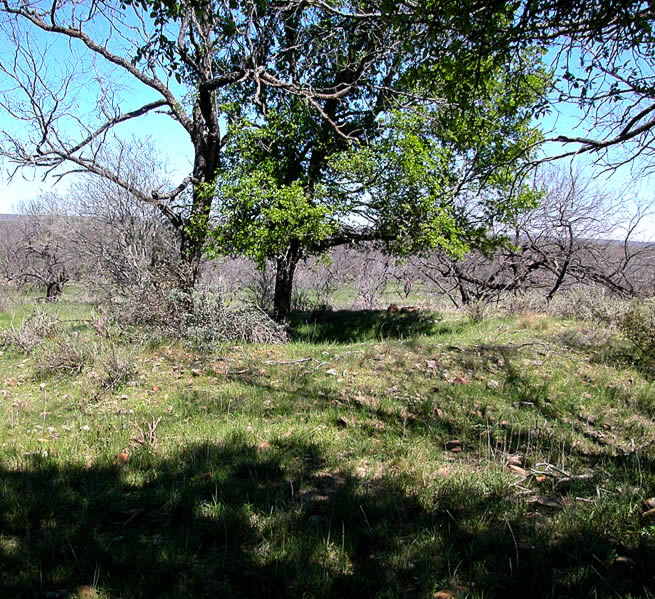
[
  {"x": 31, "y": 333},
  {"x": 66, "y": 355}
]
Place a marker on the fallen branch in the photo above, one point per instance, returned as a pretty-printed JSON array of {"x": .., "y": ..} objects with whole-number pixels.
[{"x": 286, "y": 362}]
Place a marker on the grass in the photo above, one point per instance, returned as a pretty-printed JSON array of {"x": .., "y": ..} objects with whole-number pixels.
[{"x": 321, "y": 468}]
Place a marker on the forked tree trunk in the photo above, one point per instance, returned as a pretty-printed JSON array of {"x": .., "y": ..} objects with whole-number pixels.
[{"x": 54, "y": 290}]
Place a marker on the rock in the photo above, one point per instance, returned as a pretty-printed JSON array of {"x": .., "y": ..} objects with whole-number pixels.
[
  {"x": 649, "y": 515},
  {"x": 86, "y": 592},
  {"x": 124, "y": 457},
  {"x": 315, "y": 520},
  {"x": 455, "y": 593},
  {"x": 459, "y": 380},
  {"x": 455, "y": 445},
  {"x": 550, "y": 502},
  {"x": 408, "y": 309},
  {"x": 649, "y": 504},
  {"x": 493, "y": 384},
  {"x": 332, "y": 372},
  {"x": 431, "y": 363},
  {"x": 514, "y": 460},
  {"x": 517, "y": 470}
]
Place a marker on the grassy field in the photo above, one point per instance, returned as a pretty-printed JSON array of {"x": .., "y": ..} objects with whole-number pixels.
[{"x": 374, "y": 456}]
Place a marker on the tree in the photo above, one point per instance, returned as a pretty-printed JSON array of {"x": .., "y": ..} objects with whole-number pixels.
[
  {"x": 578, "y": 234},
  {"x": 209, "y": 65},
  {"x": 418, "y": 154},
  {"x": 41, "y": 252},
  {"x": 125, "y": 244},
  {"x": 603, "y": 59}
]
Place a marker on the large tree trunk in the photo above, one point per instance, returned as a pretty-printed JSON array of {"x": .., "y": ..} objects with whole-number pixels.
[
  {"x": 285, "y": 269},
  {"x": 193, "y": 230}
]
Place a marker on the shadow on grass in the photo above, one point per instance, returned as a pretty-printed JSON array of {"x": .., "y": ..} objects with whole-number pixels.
[
  {"x": 227, "y": 520},
  {"x": 348, "y": 326}
]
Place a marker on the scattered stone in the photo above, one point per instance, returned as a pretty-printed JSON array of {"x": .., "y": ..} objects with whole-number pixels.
[
  {"x": 332, "y": 372},
  {"x": 124, "y": 457},
  {"x": 431, "y": 363},
  {"x": 455, "y": 593},
  {"x": 454, "y": 446},
  {"x": 524, "y": 404},
  {"x": 649, "y": 503},
  {"x": 493, "y": 384},
  {"x": 460, "y": 380}
]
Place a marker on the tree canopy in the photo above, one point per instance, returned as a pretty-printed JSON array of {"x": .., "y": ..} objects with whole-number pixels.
[{"x": 312, "y": 122}]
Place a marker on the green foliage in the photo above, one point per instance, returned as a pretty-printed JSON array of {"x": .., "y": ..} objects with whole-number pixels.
[
  {"x": 638, "y": 326},
  {"x": 261, "y": 216}
]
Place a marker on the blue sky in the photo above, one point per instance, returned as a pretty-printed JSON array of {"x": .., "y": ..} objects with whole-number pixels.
[{"x": 175, "y": 150}]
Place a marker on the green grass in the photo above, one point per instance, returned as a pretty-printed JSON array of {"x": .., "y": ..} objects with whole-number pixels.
[{"x": 320, "y": 468}]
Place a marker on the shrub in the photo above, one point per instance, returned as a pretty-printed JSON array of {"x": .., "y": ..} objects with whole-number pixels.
[
  {"x": 202, "y": 318},
  {"x": 31, "y": 333},
  {"x": 4, "y": 300},
  {"x": 476, "y": 310},
  {"x": 116, "y": 366},
  {"x": 589, "y": 303},
  {"x": 67, "y": 354},
  {"x": 638, "y": 327}
]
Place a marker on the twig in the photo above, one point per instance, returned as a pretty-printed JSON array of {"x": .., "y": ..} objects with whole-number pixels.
[
  {"x": 551, "y": 467},
  {"x": 568, "y": 479},
  {"x": 286, "y": 362}
]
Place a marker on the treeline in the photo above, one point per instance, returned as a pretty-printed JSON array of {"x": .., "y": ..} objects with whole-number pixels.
[{"x": 104, "y": 238}]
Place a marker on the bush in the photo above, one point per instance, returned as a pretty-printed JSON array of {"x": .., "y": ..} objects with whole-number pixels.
[
  {"x": 65, "y": 355},
  {"x": 638, "y": 327},
  {"x": 477, "y": 310},
  {"x": 116, "y": 366},
  {"x": 4, "y": 300},
  {"x": 589, "y": 303},
  {"x": 202, "y": 318},
  {"x": 31, "y": 333}
]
